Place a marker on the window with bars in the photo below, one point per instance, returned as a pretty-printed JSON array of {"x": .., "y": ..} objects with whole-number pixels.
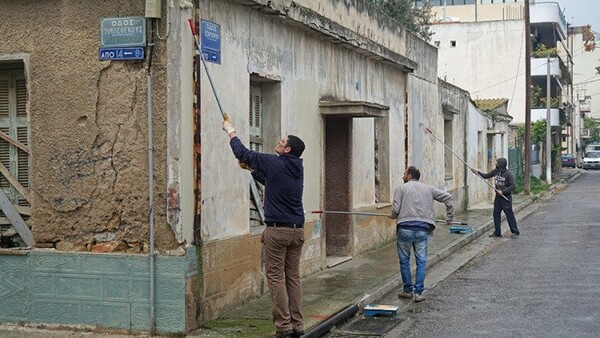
[{"x": 14, "y": 133}]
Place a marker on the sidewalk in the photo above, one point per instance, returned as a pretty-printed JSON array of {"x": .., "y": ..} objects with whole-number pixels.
[{"x": 367, "y": 277}]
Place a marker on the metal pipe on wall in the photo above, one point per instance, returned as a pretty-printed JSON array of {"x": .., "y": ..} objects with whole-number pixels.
[{"x": 152, "y": 255}]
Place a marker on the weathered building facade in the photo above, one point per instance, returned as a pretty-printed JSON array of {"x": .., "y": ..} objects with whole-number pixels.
[{"x": 351, "y": 82}]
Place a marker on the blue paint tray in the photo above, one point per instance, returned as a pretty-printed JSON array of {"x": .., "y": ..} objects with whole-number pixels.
[
  {"x": 377, "y": 310},
  {"x": 461, "y": 230}
]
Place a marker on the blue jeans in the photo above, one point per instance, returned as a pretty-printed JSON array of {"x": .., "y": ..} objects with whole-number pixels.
[{"x": 418, "y": 241}]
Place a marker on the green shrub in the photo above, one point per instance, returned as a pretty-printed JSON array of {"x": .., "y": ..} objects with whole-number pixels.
[{"x": 536, "y": 185}]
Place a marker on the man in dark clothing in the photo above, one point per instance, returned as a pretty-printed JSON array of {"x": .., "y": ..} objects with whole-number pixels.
[
  {"x": 283, "y": 178},
  {"x": 505, "y": 184}
]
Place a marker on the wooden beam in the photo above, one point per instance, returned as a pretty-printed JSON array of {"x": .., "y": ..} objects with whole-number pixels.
[
  {"x": 15, "y": 182},
  {"x": 15, "y": 142},
  {"x": 15, "y": 219}
]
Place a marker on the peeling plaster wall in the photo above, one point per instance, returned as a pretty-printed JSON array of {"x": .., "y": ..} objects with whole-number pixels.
[
  {"x": 88, "y": 128},
  {"x": 478, "y": 124},
  {"x": 425, "y": 152},
  {"x": 363, "y": 166},
  {"x": 310, "y": 69},
  {"x": 361, "y": 17},
  {"x": 456, "y": 100}
]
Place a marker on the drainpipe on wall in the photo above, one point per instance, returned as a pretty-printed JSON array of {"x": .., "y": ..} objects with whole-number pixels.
[
  {"x": 466, "y": 154},
  {"x": 151, "y": 43}
]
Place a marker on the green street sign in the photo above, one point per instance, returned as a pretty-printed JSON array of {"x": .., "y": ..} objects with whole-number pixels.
[{"x": 123, "y": 32}]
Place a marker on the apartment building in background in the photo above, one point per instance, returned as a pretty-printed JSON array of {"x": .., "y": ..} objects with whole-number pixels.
[{"x": 482, "y": 49}]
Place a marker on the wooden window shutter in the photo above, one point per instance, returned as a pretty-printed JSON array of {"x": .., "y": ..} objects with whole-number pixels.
[
  {"x": 255, "y": 120},
  {"x": 14, "y": 123},
  {"x": 255, "y": 117}
]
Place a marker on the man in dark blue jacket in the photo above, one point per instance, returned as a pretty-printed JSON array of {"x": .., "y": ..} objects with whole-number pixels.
[
  {"x": 505, "y": 184},
  {"x": 283, "y": 178}
]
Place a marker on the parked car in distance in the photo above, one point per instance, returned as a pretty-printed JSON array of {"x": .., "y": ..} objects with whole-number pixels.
[
  {"x": 591, "y": 160},
  {"x": 568, "y": 160}
]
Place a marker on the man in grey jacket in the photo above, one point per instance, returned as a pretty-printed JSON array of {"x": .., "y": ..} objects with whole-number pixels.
[{"x": 415, "y": 218}]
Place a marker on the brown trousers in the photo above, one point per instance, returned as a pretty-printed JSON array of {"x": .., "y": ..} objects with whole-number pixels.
[{"x": 283, "y": 249}]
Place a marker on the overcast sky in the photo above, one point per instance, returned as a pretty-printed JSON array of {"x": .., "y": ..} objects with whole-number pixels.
[{"x": 581, "y": 12}]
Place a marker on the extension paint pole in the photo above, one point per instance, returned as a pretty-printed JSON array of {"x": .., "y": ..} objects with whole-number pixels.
[
  {"x": 348, "y": 213},
  {"x": 453, "y": 153},
  {"x": 458, "y": 157},
  {"x": 374, "y": 214},
  {"x": 193, "y": 28}
]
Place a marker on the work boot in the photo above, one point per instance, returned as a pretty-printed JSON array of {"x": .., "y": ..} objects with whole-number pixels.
[
  {"x": 297, "y": 334},
  {"x": 513, "y": 236},
  {"x": 404, "y": 294},
  {"x": 494, "y": 235},
  {"x": 419, "y": 297}
]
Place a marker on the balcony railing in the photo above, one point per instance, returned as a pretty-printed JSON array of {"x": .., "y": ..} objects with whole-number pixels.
[
  {"x": 539, "y": 67},
  {"x": 540, "y": 114},
  {"x": 548, "y": 12}
]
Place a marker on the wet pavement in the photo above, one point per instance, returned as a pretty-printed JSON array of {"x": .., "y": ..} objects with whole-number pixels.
[{"x": 364, "y": 279}]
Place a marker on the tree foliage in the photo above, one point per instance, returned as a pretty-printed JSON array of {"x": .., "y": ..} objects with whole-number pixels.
[
  {"x": 589, "y": 39},
  {"x": 594, "y": 128},
  {"x": 414, "y": 19},
  {"x": 538, "y": 131}
]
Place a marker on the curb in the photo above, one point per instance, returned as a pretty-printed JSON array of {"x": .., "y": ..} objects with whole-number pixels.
[
  {"x": 446, "y": 251},
  {"x": 459, "y": 243}
]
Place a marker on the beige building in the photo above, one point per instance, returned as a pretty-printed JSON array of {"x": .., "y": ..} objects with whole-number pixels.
[{"x": 482, "y": 49}]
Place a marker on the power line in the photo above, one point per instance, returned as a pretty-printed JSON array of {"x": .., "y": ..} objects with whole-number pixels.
[
  {"x": 518, "y": 66},
  {"x": 514, "y": 77},
  {"x": 585, "y": 82}
]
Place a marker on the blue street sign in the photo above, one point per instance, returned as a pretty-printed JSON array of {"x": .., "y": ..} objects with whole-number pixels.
[
  {"x": 135, "y": 53},
  {"x": 211, "y": 41}
]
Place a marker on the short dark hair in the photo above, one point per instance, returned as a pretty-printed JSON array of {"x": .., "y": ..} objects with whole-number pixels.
[
  {"x": 296, "y": 144},
  {"x": 414, "y": 172}
]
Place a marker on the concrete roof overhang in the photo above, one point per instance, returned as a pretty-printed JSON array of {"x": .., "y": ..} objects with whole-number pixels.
[{"x": 353, "y": 109}]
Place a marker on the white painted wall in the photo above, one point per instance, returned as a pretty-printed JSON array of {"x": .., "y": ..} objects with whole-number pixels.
[
  {"x": 488, "y": 60},
  {"x": 586, "y": 80},
  {"x": 479, "y": 12},
  {"x": 479, "y": 191}
]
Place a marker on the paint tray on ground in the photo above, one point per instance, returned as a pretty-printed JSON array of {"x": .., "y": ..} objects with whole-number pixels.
[
  {"x": 461, "y": 230},
  {"x": 375, "y": 310}
]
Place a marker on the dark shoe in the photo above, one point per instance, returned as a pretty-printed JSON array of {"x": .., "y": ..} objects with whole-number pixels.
[
  {"x": 513, "y": 236},
  {"x": 419, "y": 297},
  {"x": 297, "y": 334},
  {"x": 283, "y": 334},
  {"x": 494, "y": 235}
]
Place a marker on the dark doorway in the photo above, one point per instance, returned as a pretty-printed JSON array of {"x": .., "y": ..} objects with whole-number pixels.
[{"x": 338, "y": 144}]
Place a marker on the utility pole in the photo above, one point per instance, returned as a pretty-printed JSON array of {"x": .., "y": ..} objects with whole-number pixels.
[
  {"x": 527, "y": 147},
  {"x": 548, "y": 125}
]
